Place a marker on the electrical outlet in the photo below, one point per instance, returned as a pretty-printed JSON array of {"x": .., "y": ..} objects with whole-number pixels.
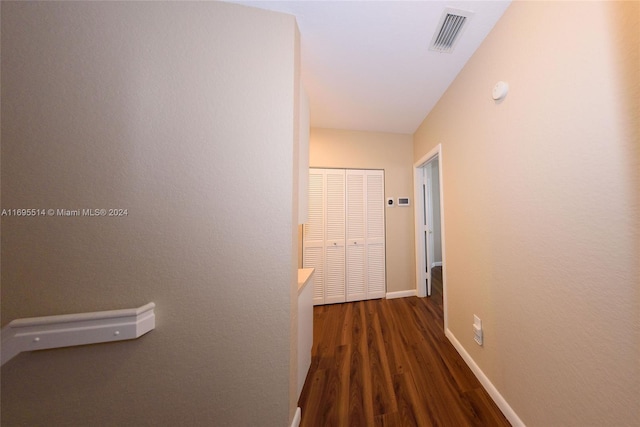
[{"x": 477, "y": 330}]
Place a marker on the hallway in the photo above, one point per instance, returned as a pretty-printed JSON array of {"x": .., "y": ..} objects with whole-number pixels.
[{"x": 388, "y": 363}]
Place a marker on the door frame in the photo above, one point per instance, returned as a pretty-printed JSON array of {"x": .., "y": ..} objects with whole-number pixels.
[
  {"x": 428, "y": 210},
  {"x": 420, "y": 207}
]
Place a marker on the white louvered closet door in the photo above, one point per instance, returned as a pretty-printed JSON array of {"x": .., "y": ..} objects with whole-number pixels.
[
  {"x": 334, "y": 282},
  {"x": 375, "y": 239},
  {"x": 344, "y": 236},
  {"x": 356, "y": 233},
  {"x": 313, "y": 247}
]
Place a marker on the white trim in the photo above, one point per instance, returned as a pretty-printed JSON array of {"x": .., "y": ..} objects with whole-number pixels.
[
  {"x": 436, "y": 264},
  {"x": 401, "y": 294},
  {"x": 297, "y": 418},
  {"x": 39, "y": 333},
  {"x": 428, "y": 182},
  {"x": 442, "y": 241},
  {"x": 506, "y": 409}
]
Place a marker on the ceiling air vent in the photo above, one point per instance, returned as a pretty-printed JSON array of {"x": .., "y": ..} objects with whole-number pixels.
[{"x": 449, "y": 29}]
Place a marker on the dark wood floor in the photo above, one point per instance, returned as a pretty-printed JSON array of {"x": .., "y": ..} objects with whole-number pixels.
[{"x": 388, "y": 363}]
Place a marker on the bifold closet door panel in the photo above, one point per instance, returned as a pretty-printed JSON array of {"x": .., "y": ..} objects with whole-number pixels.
[
  {"x": 334, "y": 285},
  {"x": 355, "y": 228},
  {"x": 375, "y": 237}
]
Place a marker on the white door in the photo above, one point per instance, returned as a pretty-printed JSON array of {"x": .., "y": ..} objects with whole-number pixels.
[
  {"x": 428, "y": 220},
  {"x": 375, "y": 238}
]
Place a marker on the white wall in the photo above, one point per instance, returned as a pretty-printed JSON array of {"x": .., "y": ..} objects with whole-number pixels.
[
  {"x": 542, "y": 210},
  {"x": 182, "y": 113}
]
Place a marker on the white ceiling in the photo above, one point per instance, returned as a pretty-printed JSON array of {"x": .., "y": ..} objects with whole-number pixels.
[{"x": 366, "y": 64}]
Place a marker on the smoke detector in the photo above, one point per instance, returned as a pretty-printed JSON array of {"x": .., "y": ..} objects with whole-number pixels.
[{"x": 451, "y": 25}]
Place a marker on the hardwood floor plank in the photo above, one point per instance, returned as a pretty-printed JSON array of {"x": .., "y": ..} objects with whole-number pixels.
[
  {"x": 388, "y": 363},
  {"x": 479, "y": 402},
  {"x": 331, "y": 319},
  {"x": 360, "y": 387},
  {"x": 343, "y": 366},
  {"x": 391, "y": 339},
  {"x": 367, "y": 382},
  {"x": 411, "y": 407},
  {"x": 429, "y": 374},
  {"x": 383, "y": 397},
  {"x": 347, "y": 325},
  {"x": 455, "y": 366},
  {"x": 313, "y": 413},
  {"x": 387, "y": 420}
]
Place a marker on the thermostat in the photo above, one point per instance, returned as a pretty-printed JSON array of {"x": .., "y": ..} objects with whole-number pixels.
[
  {"x": 389, "y": 202},
  {"x": 403, "y": 201}
]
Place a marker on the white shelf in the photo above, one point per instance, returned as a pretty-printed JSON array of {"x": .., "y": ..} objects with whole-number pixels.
[{"x": 40, "y": 333}]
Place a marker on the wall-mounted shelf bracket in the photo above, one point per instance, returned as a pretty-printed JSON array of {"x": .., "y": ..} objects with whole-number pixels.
[{"x": 40, "y": 333}]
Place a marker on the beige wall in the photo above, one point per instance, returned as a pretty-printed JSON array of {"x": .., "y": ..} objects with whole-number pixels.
[
  {"x": 541, "y": 210},
  {"x": 158, "y": 108},
  {"x": 374, "y": 150}
]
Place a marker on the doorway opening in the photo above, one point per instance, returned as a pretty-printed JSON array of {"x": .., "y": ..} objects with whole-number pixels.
[{"x": 429, "y": 226}]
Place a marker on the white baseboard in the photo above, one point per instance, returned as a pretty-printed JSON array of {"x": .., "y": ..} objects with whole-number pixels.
[
  {"x": 508, "y": 412},
  {"x": 296, "y": 418},
  {"x": 401, "y": 294},
  {"x": 436, "y": 264}
]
